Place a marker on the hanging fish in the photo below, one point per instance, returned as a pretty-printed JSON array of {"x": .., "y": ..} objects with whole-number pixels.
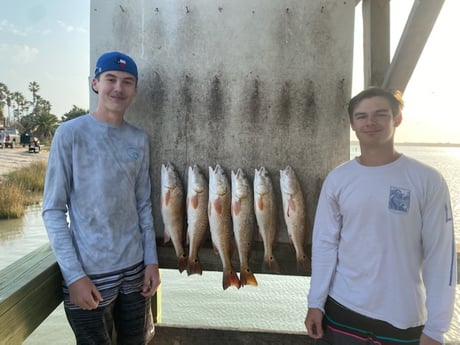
[
  {"x": 197, "y": 216},
  {"x": 243, "y": 223},
  {"x": 173, "y": 211},
  {"x": 266, "y": 217},
  {"x": 220, "y": 223},
  {"x": 294, "y": 215}
]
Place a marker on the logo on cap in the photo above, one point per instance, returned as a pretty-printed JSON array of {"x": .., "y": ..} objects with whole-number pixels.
[{"x": 122, "y": 63}]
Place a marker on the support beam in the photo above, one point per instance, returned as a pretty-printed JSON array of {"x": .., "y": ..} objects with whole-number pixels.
[
  {"x": 414, "y": 37},
  {"x": 376, "y": 40}
]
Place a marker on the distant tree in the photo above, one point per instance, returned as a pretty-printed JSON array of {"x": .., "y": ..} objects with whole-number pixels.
[
  {"x": 19, "y": 104},
  {"x": 34, "y": 87},
  {"x": 45, "y": 125},
  {"x": 73, "y": 113},
  {"x": 27, "y": 123},
  {"x": 4, "y": 92}
]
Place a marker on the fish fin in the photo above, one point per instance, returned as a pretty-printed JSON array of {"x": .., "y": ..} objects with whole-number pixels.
[
  {"x": 237, "y": 207},
  {"x": 166, "y": 237},
  {"x": 260, "y": 203},
  {"x": 167, "y": 198},
  {"x": 194, "y": 201},
  {"x": 290, "y": 239},
  {"x": 304, "y": 264},
  {"x": 182, "y": 262},
  {"x": 247, "y": 277},
  {"x": 218, "y": 205},
  {"x": 271, "y": 265},
  {"x": 230, "y": 278},
  {"x": 194, "y": 266},
  {"x": 291, "y": 206},
  {"x": 214, "y": 248}
]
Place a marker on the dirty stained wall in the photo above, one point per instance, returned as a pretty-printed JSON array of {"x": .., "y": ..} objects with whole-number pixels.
[{"x": 243, "y": 83}]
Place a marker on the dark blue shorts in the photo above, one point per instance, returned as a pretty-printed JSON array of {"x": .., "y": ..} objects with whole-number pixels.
[
  {"x": 345, "y": 327},
  {"x": 124, "y": 311}
]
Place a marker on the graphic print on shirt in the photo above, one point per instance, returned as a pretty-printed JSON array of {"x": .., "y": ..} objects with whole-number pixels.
[
  {"x": 399, "y": 199},
  {"x": 133, "y": 153}
]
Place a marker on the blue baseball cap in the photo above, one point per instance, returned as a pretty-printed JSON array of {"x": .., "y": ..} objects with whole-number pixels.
[{"x": 115, "y": 61}]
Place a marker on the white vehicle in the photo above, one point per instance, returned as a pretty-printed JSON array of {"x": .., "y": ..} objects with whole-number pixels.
[{"x": 12, "y": 137}]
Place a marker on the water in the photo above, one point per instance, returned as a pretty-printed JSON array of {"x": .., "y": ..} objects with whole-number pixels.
[{"x": 279, "y": 303}]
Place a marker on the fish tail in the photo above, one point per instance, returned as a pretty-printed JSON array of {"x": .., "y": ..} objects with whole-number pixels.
[
  {"x": 303, "y": 264},
  {"x": 271, "y": 265},
  {"x": 247, "y": 277},
  {"x": 230, "y": 278},
  {"x": 182, "y": 261},
  {"x": 194, "y": 266}
]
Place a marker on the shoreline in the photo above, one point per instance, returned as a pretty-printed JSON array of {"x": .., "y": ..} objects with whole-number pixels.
[{"x": 18, "y": 158}]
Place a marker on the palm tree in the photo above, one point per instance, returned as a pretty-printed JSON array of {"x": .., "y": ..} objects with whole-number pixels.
[
  {"x": 34, "y": 87},
  {"x": 5, "y": 99},
  {"x": 3, "y": 95},
  {"x": 42, "y": 105},
  {"x": 45, "y": 124},
  {"x": 19, "y": 104}
]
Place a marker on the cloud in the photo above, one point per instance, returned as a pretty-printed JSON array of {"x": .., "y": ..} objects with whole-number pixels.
[
  {"x": 21, "y": 54},
  {"x": 71, "y": 28},
  {"x": 6, "y": 26}
]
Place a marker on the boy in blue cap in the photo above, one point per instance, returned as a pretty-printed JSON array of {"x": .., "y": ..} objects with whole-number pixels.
[{"x": 98, "y": 175}]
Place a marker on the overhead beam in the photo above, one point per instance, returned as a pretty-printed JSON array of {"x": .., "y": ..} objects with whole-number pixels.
[
  {"x": 376, "y": 40},
  {"x": 413, "y": 39}
]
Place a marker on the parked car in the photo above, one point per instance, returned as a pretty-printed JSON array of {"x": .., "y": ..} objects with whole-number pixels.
[{"x": 12, "y": 137}]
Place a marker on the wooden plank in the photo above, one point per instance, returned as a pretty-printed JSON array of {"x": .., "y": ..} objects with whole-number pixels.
[
  {"x": 30, "y": 289},
  {"x": 180, "y": 335}
]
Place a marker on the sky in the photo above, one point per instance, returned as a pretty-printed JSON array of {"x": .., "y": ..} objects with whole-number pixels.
[{"x": 47, "y": 41}]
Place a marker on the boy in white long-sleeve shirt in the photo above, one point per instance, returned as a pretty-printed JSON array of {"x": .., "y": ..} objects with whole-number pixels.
[
  {"x": 384, "y": 255},
  {"x": 98, "y": 174}
]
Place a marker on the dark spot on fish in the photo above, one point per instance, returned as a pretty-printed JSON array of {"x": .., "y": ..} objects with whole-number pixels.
[
  {"x": 220, "y": 8},
  {"x": 122, "y": 9},
  {"x": 187, "y": 10}
]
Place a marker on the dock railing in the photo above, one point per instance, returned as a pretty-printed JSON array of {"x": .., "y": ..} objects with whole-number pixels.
[{"x": 30, "y": 290}]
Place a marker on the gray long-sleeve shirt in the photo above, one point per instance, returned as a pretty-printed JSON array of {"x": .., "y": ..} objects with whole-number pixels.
[{"x": 98, "y": 176}]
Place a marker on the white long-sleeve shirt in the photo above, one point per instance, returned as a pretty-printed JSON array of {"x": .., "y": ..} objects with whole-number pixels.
[
  {"x": 384, "y": 245},
  {"x": 99, "y": 174}
]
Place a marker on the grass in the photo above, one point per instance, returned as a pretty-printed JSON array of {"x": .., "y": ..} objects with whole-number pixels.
[{"x": 21, "y": 188}]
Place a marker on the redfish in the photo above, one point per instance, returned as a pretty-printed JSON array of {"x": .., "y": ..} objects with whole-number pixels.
[
  {"x": 197, "y": 216},
  {"x": 243, "y": 223},
  {"x": 266, "y": 217},
  {"x": 173, "y": 211},
  {"x": 220, "y": 223},
  {"x": 294, "y": 215}
]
